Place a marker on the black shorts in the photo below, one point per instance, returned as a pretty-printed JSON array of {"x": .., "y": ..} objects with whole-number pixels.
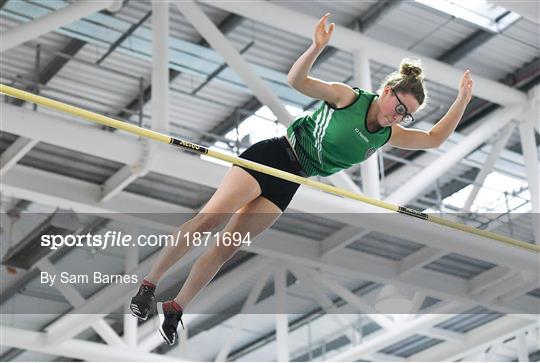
[{"x": 276, "y": 153}]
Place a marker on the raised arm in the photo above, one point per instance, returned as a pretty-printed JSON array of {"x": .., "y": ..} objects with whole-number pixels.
[
  {"x": 417, "y": 139},
  {"x": 336, "y": 93}
]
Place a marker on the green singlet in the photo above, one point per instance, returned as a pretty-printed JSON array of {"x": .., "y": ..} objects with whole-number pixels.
[{"x": 332, "y": 139}]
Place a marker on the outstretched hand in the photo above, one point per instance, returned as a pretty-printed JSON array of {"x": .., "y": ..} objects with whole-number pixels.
[
  {"x": 321, "y": 35},
  {"x": 465, "y": 87}
]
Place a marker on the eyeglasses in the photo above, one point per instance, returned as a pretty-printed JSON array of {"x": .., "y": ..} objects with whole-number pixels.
[{"x": 401, "y": 110}]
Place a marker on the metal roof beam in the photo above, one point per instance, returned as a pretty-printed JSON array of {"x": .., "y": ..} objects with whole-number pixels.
[
  {"x": 366, "y": 20},
  {"x": 246, "y": 309},
  {"x": 55, "y": 65},
  {"x": 160, "y": 95},
  {"x": 477, "y": 339},
  {"x": 532, "y": 167},
  {"x": 23, "y": 145},
  {"x": 15, "y": 152},
  {"x": 122, "y": 149},
  {"x": 46, "y": 188},
  {"x": 388, "y": 337},
  {"x": 498, "y": 145},
  {"x": 51, "y": 69},
  {"x": 292, "y": 248},
  {"x": 205, "y": 301},
  {"x": 28, "y": 276},
  {"x": 470, "y": 43},
  {"x": 252, "y": 105},
  {"x": 11, "y": 354},
  {"x": 75, "y": 348},
  {"x": 528, "y": 9},
  {"x": 466, "y": 46},
  {"x": 297, "y": 250},
  {"x": 271, "y": 14},
  {"x": 218, "y": 71},
  {"x": 220, "y": 43},
  {"x": 75, "y": 298},
  {"x": 44, "y": 24},
  {"x": 427, "y": 176},
  {"x": 523, "y": 79},
  {"x": 124, "y": 36},
  {"x": 228, "y": 24},
  {"x": 419, "y": 259},
  {"x": 282, "y": 321}
]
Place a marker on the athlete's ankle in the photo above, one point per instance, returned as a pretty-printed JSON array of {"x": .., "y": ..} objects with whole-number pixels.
[
  {"x": 148, "y": 282},
  {"x": 176, "y": 306}
]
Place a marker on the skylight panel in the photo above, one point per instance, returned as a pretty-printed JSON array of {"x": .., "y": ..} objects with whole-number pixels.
[
  {"x": 486, "y": 15},
  {"x": 260, "y": 126},
  {"x": 499, "y": 194}
]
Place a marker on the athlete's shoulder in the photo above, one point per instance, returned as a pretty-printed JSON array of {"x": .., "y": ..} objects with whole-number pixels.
[{"x": 364, "y": 93}]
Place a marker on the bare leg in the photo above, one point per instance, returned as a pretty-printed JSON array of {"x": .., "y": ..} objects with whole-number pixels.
[
  {"x": 254, "y": 218},
  {"x": 236, "y": 190}
]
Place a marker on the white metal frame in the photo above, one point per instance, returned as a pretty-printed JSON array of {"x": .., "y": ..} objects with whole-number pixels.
[
  {"x": 501, "y": 288},
  {"x": 42, "y": 25}
]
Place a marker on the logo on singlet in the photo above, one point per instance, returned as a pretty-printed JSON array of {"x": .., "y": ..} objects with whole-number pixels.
[
  {"x": 358, "y": 132},
  {"x": 370, "y": 151}
]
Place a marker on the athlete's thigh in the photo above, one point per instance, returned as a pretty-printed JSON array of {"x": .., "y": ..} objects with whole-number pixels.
[
  {"x": 254, "y": 218},
  {"x": 237, "y": 189}
]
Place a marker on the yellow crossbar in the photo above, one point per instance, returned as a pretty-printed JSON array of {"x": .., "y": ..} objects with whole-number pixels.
[{"x": 107, "y": 121}]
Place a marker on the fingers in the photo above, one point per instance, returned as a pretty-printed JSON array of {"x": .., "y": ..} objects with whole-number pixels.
[
  {"x": 331, "y": 28},
  {"x": 321, "y": 34},
  {"x": 322, "y": 23},
  {"x": 465, "y": 86},
  {"x": 466, "y": 80},
  {"x": 323, "y": 19}
]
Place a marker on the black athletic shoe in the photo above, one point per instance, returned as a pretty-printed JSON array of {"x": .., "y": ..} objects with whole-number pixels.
[
  {"x": 168, "y": 319},
  {"x": 142, "y": 302}
]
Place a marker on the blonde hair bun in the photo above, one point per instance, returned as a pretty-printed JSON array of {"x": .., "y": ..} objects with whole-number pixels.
[
  {"x": 411, "y": 68},
  {"x": 409, "y": 79}
]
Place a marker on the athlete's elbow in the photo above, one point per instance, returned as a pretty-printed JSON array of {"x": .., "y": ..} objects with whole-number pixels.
[
  {"x": 293, "y": 81},
  {"x": 296, "y": 81},
  {"x": 435, "y": 142}
]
